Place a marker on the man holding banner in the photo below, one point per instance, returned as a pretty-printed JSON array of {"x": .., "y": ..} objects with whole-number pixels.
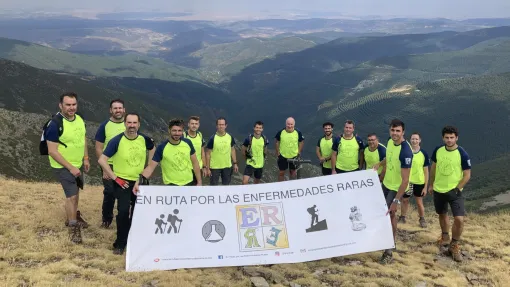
[
  {"x": 398, "y": 162},
  {"x": 129, "y": 152},
  {"x": 178, "y": 159}
]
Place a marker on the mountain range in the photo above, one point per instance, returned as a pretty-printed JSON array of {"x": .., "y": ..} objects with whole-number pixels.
[{"x": 426, "y": 79}]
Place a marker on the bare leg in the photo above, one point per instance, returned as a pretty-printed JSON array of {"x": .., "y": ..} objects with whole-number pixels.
[
  {"x": 246, "y": 179},
  {"x": 292, "y": 174},
  {"x": 444, "y": 222},
  {"x": 458, "y": 227},
  {"x": 405, "y": 206},
  {"x": 256, "y": 181},
  {"x": 421, "y": 208},
  {"x": 281, "y": 175},
  {"x": 71, "y": 205}
]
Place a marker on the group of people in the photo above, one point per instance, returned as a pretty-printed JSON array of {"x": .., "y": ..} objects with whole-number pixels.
[{"x": 128, "y": 159}]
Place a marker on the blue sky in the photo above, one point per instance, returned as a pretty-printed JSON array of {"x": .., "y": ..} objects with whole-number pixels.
[{"x": 428, "y": 8}]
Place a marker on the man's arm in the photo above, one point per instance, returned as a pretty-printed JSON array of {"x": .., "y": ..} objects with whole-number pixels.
[
  {"x": 103, "y": 162},
  {"x": 361, "y": 152},
  {"x": 465, "y": 178},
  {"x": 151, "y": 153},
  {"x": 277, "y": 147},
  {"x": 234, "y": 156},
  {"x": 196, "y": 168},
  {"x": 404, "y": 173},
  {"x": 466, "y": 167},
  {"x": 147, "y": 172},
  {"x": 301, "y": 140},
  {"x": 334, "y": 154},
  {"x": 243, "y": 152},
  {"x": 86, "y": 162},
  {"x": 204, "y": 161},
  {"x": 99, "y": 149},
  {"x": 432, "y": 176},
  {"x": 318, "y": 153}
]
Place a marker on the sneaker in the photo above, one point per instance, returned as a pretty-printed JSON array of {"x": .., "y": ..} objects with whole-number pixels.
[
  {"x": 75, "y": 233},
  {"x": 423, "y": 223},
  {"x": 387, "y": 257},
  {"x": 402, "y": 219},
  {"x": 81, "y": 221},
  {"x": 454, "y": 250}
]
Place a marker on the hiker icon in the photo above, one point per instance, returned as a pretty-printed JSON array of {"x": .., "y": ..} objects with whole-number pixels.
[
  {"x": 356, "y": 218},
  {"x": 316, "y": 225},
  {"x": 172, "y": 219},
  {"x": 161, "y": 224}
]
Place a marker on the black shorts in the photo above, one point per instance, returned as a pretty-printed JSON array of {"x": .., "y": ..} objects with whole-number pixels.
[
  {"x": 250, "y": 170},
  {"x": 345, "y": 171},
  {"x": 452, "y": 198},
  {"x": 326, "y": 171},
  {"x": 389, "y": 195},
  {"x": 414, "y": 189},
  {"x": 283, "y": 164}
]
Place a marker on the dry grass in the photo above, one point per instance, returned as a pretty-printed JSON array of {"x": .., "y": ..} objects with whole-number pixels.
[{"x": 35, "y": 251}]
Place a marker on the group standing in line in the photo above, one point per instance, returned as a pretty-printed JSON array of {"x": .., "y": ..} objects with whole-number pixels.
[{"x": 186, "y": 158}]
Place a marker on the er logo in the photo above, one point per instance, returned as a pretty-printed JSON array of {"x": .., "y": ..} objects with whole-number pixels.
[{"x": 261, "y": 227}]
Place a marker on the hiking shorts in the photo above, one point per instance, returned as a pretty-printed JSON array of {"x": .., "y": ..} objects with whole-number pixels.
[
  {"x": 283, "y": 164},
  {"x": 326, "y": 171},
  {"x": 389, "y": 195},
  {"x": 452, "y": 198},
  {"x": 68, "y": 181},
  {"x": 250, "y": 170},
  {"x": 414, "y": 189}
]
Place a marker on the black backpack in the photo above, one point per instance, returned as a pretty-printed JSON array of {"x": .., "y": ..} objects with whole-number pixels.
[{"x": 43, "y": 145}]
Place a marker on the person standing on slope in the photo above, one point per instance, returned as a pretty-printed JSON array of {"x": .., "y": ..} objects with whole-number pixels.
[
  {"x": 106, "y": 131},
  {"x": 418, "y": 181},
  {"x": 398, "y": 162},
  {"x": 69, "y": 158},
  {"x": 348, "y": 151},
  {"x": 375, "y": 152},
  {"x": 129, "y": 152},
  {"x": 325, "y": 148},
  {"x": 289, "y": 144},
  {"x": 254, "y": 150},
  {"x": 220, "y": 154},
  {"x": 450, "y": 172},
  {"x": 196, "y": 137},
  {"x": 177, "y": 157}
]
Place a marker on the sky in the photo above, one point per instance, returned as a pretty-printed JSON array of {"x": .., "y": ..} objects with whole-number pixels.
[{"x": 415, "y": 8}]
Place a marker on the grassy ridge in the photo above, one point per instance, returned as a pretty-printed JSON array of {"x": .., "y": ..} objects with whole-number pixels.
[{"x": 129, "y": 65}]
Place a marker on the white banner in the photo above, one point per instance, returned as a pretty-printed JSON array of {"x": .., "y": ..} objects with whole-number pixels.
[{"x": 284, "y": 222}]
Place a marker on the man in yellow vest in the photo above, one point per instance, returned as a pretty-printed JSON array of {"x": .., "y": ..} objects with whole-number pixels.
[
  {"x": 289, "y": 144},
  {"x": 68, "y": 158},
  {"x": 254, "y": 150},
  {"x": 449, "y": 174},
  {"x": 398, "y": 162},
  {"x": 196, "y": 137},
  {"x": 325, "y": 148},
  {"x": 348, "y": 149},
  {"x": 106, "y": 131},
  {"x": 221, "y": 154},
  {"x": 178, "y": 159},
  {"x": 374, "y": 153},
  {"x": 129, "y": 152}
]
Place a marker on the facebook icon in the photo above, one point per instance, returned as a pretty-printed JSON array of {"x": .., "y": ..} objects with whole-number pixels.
[{"x": 220, "y": 256}]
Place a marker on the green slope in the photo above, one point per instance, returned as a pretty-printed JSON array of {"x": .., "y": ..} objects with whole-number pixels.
[
  {"x": 222, "y": 61},
  {"x": 129, "y": 65}
]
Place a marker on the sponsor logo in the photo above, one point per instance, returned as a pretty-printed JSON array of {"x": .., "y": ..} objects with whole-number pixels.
[
  {"x": 220, "y": 256},
  {"x": 408, "y": 160},
  {"x": 156, "y": 260},
  {"x": 277, "y": 253}
]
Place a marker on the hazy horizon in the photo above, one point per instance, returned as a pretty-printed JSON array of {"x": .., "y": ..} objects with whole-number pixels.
[{"x": 453, "y": 9}]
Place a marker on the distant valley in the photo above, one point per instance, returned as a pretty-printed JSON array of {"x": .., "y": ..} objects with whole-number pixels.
[{"x": 428, "y": 72}]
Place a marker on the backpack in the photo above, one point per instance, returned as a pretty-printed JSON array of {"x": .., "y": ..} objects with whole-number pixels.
[{"x": 43, "y": 145}]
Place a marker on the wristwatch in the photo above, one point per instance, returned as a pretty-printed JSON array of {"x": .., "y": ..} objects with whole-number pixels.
[{"x": 396, "y": 201}]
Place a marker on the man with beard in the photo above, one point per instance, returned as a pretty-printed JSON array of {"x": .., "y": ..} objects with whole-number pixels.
[
  {"x": 347, "y": 151},
  {"x": 289, "y": 144},
  {"x": 325, "y": 148},
  {"x": 106, "y": 131},
  {"x": 196, "y": 137},
  {"x": 398, "y": 162},
  {"x": 450, "y": 172},
  {"x": 177, "y": 157},
  {"x": 375, "y": 152},
  {"x": 129, "y": 152},
  {"x": 221, "y": 154},
  {"x": 68, "y": 156},
  {"x": 254, "y": 150}
]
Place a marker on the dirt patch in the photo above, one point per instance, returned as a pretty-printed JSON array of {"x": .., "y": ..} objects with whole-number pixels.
[{"x": 500, "y": 199}]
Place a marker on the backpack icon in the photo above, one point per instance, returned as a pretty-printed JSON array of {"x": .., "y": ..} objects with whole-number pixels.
[{"x": 43, "y": 145}]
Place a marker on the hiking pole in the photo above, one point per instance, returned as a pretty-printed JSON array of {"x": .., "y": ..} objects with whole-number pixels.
[{"x": 179, "y": 229}]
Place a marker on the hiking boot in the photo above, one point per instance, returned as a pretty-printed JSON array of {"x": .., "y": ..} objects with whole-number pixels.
[
  {"x": 402, "y": 219},
  {"x": 423, "y": 223},
  {"x": 80, "y": 220},
  {"x": 75, "y": 233},
  {"x": 387, "y": 257},
  {"x": 454, "y": 250},
  {"x": 442, "y": 242}
]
